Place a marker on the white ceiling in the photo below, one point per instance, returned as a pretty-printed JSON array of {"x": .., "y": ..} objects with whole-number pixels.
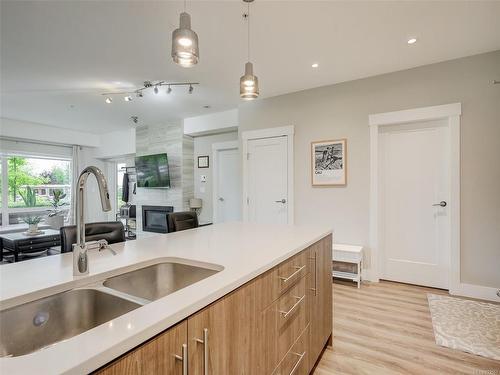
[{"x": 58, "y": 56}]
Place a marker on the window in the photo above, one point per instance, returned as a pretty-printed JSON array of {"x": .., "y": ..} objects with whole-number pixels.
[
  {"x": 28, "y": 185},
  {"x": 120, "y": 171}
]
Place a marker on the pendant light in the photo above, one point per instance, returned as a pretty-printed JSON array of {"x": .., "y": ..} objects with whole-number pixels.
[
  {"x": 249, "y": 83},
  {"x": 185, "y": 50}
]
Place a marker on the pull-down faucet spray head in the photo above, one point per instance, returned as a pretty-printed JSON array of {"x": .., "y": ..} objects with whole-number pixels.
[{"x": 80, "y": 257}]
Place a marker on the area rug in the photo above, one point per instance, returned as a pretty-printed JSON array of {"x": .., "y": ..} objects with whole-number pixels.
[{"x": 469, "y": 326}]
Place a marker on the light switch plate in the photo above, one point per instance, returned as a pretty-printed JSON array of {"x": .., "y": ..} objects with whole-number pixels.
[{"x": 203, "y": 178}]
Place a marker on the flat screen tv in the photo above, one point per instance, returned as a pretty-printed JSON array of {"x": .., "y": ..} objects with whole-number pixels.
[{"x": 152, "y": 171}]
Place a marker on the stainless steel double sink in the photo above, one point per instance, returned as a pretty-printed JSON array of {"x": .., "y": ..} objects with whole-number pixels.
[{"x": 34, "y": 325}]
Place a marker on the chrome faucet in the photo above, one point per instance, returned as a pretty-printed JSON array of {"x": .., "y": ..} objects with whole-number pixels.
[{"x": 80, "y": 257}]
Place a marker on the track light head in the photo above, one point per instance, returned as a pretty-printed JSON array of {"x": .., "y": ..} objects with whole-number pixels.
[
  {"x": 128, "y": 98},
  {"x": 156, "y": 90},
  {"x": 169, "y": 90},
  {"x": 108, "y": 100},
  {"x": 139, "y": 94},
  {"x": 191, "y": 88}
]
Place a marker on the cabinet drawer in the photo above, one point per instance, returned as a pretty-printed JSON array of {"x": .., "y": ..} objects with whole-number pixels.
[
  {"x": 291, "y": 271},
  {"x": 291, "y": 316},
  {"x": 38, "y": 246},
  {"x": 282, "y": 323},
  {"x": 34, "y": 241},
  {"x": 296, "y": 359},
  {"x": 275, "y": 282}
]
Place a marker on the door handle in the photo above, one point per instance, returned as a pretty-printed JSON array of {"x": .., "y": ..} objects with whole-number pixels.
[
  {"x": 301, "y": 357},
  {"x": 205, "y": 350},
  {"x": 183, "y": 359},
  {"x": 285, "y": 314},
  {"x": 440, "y": 204},
  {"x": 298, "y": 269},
  {"x": 281, "y": 201}
]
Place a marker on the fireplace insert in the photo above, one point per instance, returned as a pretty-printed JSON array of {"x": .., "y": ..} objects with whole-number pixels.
[{"x": 154, "y": 218}]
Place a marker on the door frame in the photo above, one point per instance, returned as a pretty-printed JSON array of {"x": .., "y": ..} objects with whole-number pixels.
[
  {"x": 216, "y": 147},
  {"x": 283, "y": 131},
  {"x": 451, "y": 113}
]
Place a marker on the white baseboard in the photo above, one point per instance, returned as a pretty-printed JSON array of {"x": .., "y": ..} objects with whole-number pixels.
[{"x": 476, "y": 291}]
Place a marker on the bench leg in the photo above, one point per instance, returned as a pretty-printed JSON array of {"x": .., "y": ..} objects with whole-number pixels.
[{"x": 359, "y": 274}]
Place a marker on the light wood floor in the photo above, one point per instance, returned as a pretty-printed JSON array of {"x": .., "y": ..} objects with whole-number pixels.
[{"x": 385, "y": 328}]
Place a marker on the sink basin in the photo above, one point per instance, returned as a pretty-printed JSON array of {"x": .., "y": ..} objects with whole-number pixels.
[
  {"x": 158, "y": 280},
  {"x": 34, "y": 325}
]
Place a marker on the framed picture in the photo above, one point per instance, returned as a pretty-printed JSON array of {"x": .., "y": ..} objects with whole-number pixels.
[
  {"x": 329, "y": 163},
  {"x": 203, "y": 161}
]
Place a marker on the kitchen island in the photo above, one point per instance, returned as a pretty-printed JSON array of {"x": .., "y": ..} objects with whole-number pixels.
[{"x": 265, "y": 307}]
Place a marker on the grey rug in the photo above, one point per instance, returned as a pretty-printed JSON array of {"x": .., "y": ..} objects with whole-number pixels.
[{"x": 469, "y": 326}]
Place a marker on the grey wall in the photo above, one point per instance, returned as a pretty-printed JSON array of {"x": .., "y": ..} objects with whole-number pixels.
[
  {"x": 341, "y": 111},
  {"x": 203, "y": 190},
  {"x": 155, "y": 139}
]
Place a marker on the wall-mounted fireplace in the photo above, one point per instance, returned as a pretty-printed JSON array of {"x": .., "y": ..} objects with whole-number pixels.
[{"x": 154, "y": 218}]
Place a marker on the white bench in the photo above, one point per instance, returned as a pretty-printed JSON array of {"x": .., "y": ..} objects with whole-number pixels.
[{"x": 348, "y": 254}]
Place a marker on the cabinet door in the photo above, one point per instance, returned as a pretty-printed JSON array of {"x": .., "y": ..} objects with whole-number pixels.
[
  {"x": 222, "y": 337},
  {"x": 320, "y": 293},
  {"x": 162, "y": 355}
]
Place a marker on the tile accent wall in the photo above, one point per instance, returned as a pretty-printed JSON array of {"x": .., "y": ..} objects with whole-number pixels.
[
  {"x": 187, "y": 170},
  {"x": 170, "y": 139}
]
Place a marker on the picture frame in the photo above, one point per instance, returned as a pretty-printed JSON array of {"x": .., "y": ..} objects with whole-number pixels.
[
  {"x": 329, "y": 162},
  {"x": 203, "y": 161}
]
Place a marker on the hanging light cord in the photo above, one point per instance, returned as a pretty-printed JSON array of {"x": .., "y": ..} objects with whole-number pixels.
[{"x": 248, "y": 31}]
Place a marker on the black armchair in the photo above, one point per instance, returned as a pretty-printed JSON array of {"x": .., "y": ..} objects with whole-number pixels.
[{"x": 178, "y": 221}]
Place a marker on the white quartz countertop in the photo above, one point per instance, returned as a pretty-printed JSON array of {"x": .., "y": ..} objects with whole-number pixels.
[{"x": 242, "y": 250}]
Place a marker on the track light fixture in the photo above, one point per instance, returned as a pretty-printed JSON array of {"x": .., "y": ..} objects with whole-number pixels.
[
  {"x": 185, "y": 51},
  {"x": 249, "y": 83},
  {"x": 139, "y": 93}
]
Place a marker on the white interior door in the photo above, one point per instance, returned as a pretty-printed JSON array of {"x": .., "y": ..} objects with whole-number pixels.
[
  {"x": 414, "y": 180},
  {"x": 227, "y": 205},
  {"x": 267, "y": 180}
]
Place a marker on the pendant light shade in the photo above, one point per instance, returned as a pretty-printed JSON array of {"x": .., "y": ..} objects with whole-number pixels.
[
  {"x": 185, "y": 50},
  {"x": 249, "y": 84}
]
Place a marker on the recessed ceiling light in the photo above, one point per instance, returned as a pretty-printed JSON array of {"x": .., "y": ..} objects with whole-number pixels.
[
  {"x": 315, "y": 65},
  {"x": 412, "y": 40}
]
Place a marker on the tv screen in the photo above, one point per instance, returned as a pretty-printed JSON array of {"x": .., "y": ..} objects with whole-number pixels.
[{"x": 152, "y": 171}]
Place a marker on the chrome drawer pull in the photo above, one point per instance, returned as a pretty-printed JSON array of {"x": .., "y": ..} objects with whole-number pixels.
[
  {"x": 301, "y": 357},
  {"x": 315, "y": 289},
  {"x": 285, "y": 314},
  {"x": 205, "y": 350},
  {"x": 184, "y": 359},
  {"x": 286, "y": 279}
]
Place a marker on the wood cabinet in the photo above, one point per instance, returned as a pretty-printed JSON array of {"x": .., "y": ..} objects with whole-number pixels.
[
  {"x": 221, "y": 337},
  {"x": 162, "y": 355},
  {"x": 320, "y": 297},
  {"x": 277, "y": 323}
]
